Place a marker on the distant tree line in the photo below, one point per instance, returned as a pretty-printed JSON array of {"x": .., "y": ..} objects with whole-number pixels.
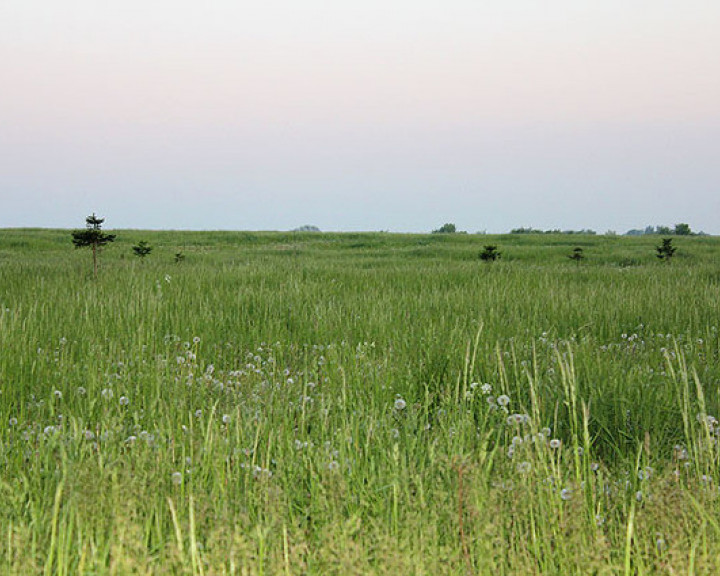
[
  {"x": 681, "y": 229},
  {"x": 587, "y": 231}
]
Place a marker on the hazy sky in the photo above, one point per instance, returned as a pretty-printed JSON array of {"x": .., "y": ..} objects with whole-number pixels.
[{"x": 360, "y": 115}]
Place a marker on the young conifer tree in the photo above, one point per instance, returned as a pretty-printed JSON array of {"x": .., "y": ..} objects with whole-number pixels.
[
  {"x": 92, "y": 237},
  {"x": 142, "y": 249},
  {"x": 577, "y": 255},
  {"x": 666, "y": 250},
  {"x": 490, "y": 253}
]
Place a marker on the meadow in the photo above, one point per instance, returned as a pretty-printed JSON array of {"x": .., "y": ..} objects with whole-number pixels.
[{"x": 310, "y": 403}]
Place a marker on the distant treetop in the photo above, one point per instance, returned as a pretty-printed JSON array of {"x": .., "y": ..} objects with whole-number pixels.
[
  {"x": 447, "y": 228},
  {"x": 307, "y": 228}
]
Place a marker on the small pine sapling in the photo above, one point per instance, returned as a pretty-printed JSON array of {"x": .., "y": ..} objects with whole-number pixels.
[
  {"x": 577, "y": 255},
  {"x": 489, "y": 254},
  {"x": 666, "y": 250},
  {"x": 92, "y": 237},
  {"x": 142, "y": 249}
]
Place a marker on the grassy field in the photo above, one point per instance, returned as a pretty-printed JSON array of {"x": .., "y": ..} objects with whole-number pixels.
[{"x": 305, "y": 403}]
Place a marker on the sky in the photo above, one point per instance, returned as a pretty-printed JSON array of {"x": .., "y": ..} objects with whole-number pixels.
[{"x": 395, "y": 115}]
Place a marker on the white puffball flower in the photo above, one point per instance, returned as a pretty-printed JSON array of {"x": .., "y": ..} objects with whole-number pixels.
[
  {"x": 400, "y": 404},
  {"x": 503, "y": 400}
]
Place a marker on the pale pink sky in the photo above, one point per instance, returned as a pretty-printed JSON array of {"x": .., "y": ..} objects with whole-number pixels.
[{"x": 360, "y": 115}]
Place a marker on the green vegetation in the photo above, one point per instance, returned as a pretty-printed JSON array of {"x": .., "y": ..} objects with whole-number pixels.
[
  {"x": 490, "y": 253},
  {"x": 577, "y": 255},
  {"x": 680, "y": 229},
  {"x": 666, "y": 250},
  {"x": 293, "y": 403},
  {"x": 447, "y": 228},
  {"x": 142, "y": 249},
  {"x": 92, "y": 237}
]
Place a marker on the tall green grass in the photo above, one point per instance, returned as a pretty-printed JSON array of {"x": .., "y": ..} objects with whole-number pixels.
[{"x": 285, "y": 403}]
